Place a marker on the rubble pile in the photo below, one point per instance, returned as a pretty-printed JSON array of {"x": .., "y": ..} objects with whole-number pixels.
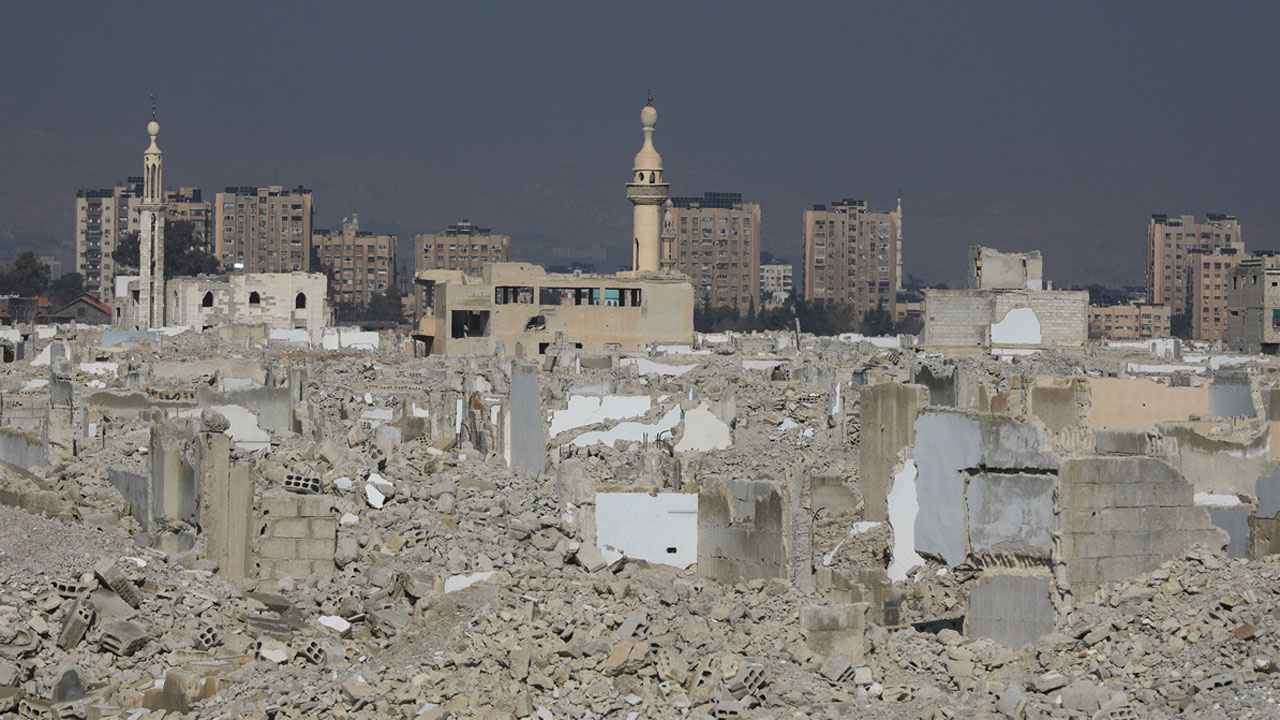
[{"x": 395, "y": 561}]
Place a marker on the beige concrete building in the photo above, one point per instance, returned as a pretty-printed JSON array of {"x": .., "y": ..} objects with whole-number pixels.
[
  {"x": 1253, "y": 306},
  {"x": 103, "y": 217},
  {"x": 1171, "y": 243},
  {"x": 853, "y": 254},
  {"x": 187, "y": 204},
  {"x": 364, "y": 264},
  {"x": 715, "y": 240},
  {"x": 776, "y": 284},
  {"x": 1209, "y": 278},
  {"x": 990, "y": 269},
  {"x": 1135, "y": 321},
  {"x": 522, "y": 305},
  {"x": 263, "y": 229}
]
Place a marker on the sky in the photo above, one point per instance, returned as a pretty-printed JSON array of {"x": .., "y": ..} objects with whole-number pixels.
[{"x": 1053, "y": 126}]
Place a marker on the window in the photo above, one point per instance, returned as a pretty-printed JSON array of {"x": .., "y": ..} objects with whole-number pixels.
[
  {"x": 207, "y": 301},
  {"x": 255, "y": 298},
  {"x": 300, "y": 302}
]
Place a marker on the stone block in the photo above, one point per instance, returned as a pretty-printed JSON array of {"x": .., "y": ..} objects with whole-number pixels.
[{"x": 281, "y": 548}]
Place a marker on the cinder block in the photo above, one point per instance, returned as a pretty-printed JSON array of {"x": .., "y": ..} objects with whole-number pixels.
[
  {"x": 300, "y": 569},
  {"x": 316, "y": 549},
  {"x": 279, "y": 505},
  {"x": 288, "y": 528},
  {"x": 314, "y": 506},
  {"x": 322, "y": 528},
  {"x": 281, "y": 548}
]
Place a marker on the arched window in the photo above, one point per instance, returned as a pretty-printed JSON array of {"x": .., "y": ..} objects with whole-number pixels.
[
  {"x": 651, "y": 178},
  {"x": 300, "y": 302},
  {"x": 208, "y": 300},
  {"x": 255, "y": 298}
]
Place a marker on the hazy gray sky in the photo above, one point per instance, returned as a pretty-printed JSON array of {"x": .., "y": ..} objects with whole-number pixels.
[{"x": 1013, "y": 124}]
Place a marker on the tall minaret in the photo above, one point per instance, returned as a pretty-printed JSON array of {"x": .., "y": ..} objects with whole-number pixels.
[
  {"x": 151, "y": 299},
  {"x": 647, "y": 192}
]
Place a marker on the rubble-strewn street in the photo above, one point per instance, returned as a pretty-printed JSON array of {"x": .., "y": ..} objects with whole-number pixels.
[{"x": 198, "y": 526}]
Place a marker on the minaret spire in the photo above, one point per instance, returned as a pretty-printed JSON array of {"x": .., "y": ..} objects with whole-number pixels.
[
  {"x": 647, "y": 192},
  {"x": 151, "y": 300}
]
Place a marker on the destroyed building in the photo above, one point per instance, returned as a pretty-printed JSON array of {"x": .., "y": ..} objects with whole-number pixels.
[{"x": 990, "y": 269}]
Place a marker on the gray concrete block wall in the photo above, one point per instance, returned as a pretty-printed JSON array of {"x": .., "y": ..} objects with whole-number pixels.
[
  {"x": 21, "y": 449},
  {"x": 957, "y": 318},
  {"x": 1010, "y": 513},
  {"x": 1013, "y": 610},
  {"x": 526, "y": 436},
  {"x": 742, "y": 531},
  {"x": 888, "y": 415},
  {"x": 296, "y": 535},
  {"x": 1123, "y": 516}
]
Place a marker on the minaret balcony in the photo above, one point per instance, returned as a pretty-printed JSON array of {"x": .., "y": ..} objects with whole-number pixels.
[{"x": 647, "y": 194}]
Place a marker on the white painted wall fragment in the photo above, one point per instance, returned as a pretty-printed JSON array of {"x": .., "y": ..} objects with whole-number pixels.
[
  {"x": 1020, "y": 326},
  {"x": 586, "y": 410},
  {"x": 649, "y": 367},
  {"x": 903, "y": 508},
  {"x": 631, "y": 431},
  {"x": 660, "y": 528},
  {"x": 704, "y": 431}
]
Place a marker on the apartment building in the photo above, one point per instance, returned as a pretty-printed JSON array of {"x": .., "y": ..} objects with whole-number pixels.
[
  {"x": 776, "y": 285},
  {"x": 1134, "y": 321},
  {"x": 1173, "y": 243},
  {"x": 187, "y": 205},
  {"x": 364, "y": 264},
  {"x": 263, "y": 229},
  {"x": 853, "y": 254},
  {"x": 715, "y": 240},
  {"x": 103, "y": 217}
]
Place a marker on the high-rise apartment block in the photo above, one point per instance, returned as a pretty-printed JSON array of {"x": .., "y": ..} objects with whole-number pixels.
[
  {"x": 853, "y": 254},
  {"x": 263, "y": 229},
  {"x": 1172, "y": 244},
  {"x": 776, "y": 284},
  {"x": 103, "y": 217},
  {"x": 187, "y": 205},
  {"x": 715, "y": 240},
  {"x": 364, "y": 264},
  {"x": 462, "y": 246}
]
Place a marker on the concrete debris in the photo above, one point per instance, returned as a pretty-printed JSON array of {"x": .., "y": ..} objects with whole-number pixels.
[{"x": 850, "y": 527}]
